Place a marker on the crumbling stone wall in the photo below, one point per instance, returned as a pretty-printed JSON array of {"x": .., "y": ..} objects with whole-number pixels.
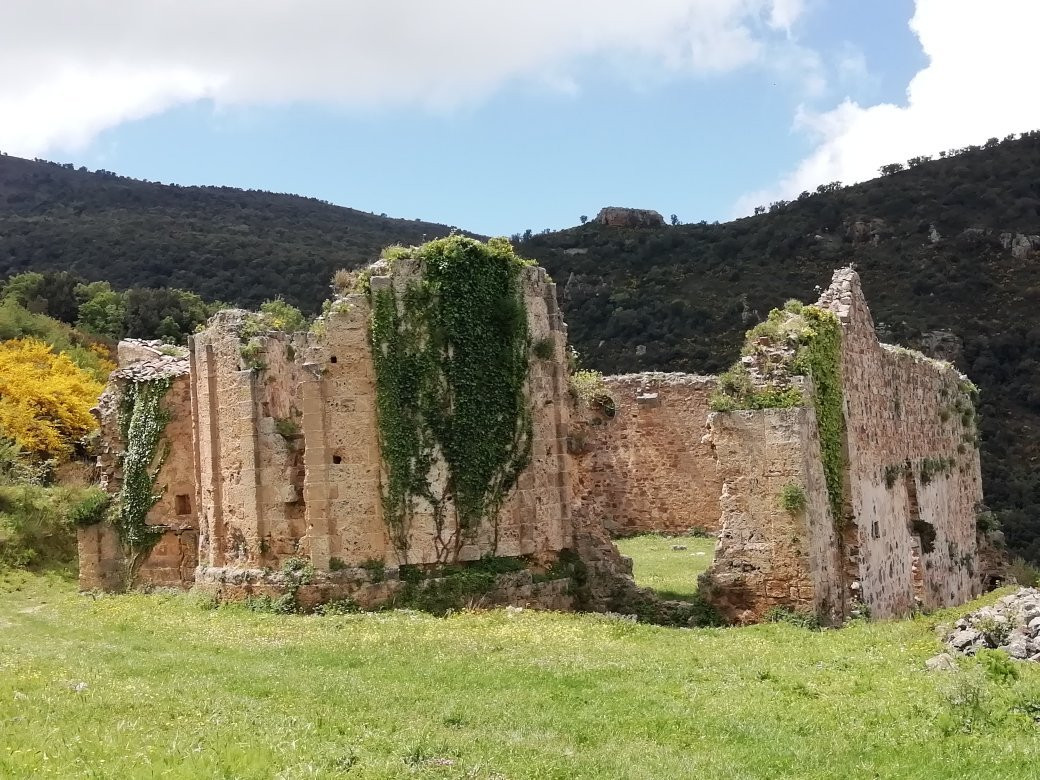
[
  {"x": 914, "y": 482},
  {"x": 769, "y": 555},
  {"x": 534, "y": 520},
  {"x": 249, "y": 452},
  {"x": 172, "y": 561},
  {"x": 275, "y": 448},
  {"x": 341, "y": 443},
  {"x": 911, "y": 486},
  {"x": 275, "y": 459},
  {"x": 645, "y": 467}
]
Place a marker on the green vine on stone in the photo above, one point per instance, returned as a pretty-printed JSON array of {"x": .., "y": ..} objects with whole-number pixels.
[
  {"x": 142, "y": 420},
  {"x": 451, "y": 354},
  {"x": 819, "y": 356},
  {"x": 797, "y": 340}
]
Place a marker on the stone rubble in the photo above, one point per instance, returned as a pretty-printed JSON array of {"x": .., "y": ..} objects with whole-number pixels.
[
  {"x": 141, "y": 360},
  {"x": 1012, "y": 624}
]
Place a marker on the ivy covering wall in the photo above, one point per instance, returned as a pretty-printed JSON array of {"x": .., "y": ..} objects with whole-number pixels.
[
  {"x": 819, "y": 356},
  {"x": 451, "y": 352},
  {"x": 142, "y": 420}
]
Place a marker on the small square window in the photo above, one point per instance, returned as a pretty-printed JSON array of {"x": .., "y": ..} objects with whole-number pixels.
[{"x": 182, "y": 504}]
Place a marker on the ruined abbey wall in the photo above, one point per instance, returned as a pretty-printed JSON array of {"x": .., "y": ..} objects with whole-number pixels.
[
  {"x": 249, "y": 463},
  {"x": 646, "y": 468},
  {"x": 275, "y": 452},
  {"x": 275, "y": 458},
  {"x": 535, "y": 518},
  {"x": 174, "y": 557},
  {"x": 913, "y": 467},
  {"x": 768, "y": 556},
  {"x": 906, "y": 535}
]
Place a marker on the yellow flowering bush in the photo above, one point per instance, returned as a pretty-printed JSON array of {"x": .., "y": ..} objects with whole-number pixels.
[{"x": 45, "y": 398}]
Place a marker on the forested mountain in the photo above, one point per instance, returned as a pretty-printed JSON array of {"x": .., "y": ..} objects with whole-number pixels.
[
  {"x": 948, "y": 251},
  {"x": 223, "y": 243}
]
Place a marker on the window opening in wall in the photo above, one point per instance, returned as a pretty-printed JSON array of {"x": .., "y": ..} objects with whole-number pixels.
[
  {"x": 875, "y": 530},
  {"x": 337, "y": 459},
  {"x": 924, "y": 530},
  {"x": 182, "y": 504},
  {"x": 332, "y": 359}
]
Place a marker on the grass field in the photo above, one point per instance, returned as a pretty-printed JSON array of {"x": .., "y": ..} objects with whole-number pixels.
[
  {"x": 165, "y": 686},
  {"x": 672, "y": 573}
]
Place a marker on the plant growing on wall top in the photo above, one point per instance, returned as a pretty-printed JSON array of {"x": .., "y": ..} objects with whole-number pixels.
[
  {"x": 797, "y": 340},
  {"x": 451, "y": 360},
  {"x": 142, "y": 420}
]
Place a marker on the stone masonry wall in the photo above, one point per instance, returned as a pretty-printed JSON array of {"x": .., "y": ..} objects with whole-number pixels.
[
  {"x": 275, "y": 454},
  {"x": 913, "y": 467},
  {"x": 171, "y": 563},
  {"x": 343, "y": 507},
  {"x": 906, "y": 536},
  {"x": 768, "y": 556},
  {"x": 535, "y": 518},
  {"x": 647, "y": 469},
  {"x": 227, "y": 429},
  {"x": 288, "y": 459}
]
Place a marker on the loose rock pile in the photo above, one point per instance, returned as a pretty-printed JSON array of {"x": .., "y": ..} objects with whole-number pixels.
[{"x": 1012, "y": 625}]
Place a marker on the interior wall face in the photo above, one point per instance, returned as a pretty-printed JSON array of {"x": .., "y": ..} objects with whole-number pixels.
[
  {"x": 768, "y": 554},
  {"x": 647, "y": 468}
]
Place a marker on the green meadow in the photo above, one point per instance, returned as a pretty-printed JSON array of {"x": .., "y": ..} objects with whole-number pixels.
[
  {"x": 168, "y": 686},
  {"x": 659, "y": 565}
]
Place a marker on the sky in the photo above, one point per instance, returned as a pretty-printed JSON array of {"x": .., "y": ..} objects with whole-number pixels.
[{"x": 499, "y": 117}]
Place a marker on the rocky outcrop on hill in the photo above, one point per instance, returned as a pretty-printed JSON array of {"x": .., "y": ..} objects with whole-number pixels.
[
  {"x": 1012, "y": 624},
  {"x": 616, "y": 216}
]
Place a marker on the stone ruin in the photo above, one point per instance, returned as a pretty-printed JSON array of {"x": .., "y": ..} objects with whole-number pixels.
[
  {"x": 907, "y": 527},
  {"x": 275, "y": 461}
]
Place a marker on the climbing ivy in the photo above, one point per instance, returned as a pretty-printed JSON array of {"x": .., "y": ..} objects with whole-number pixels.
[
  {"x": 819, "y": 356},
  {"x": 142, "y": 420},
  {"x": 451, "y": 360}
]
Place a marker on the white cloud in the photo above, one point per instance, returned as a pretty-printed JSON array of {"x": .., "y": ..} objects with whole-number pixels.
[
  {"x": 72, "y": 68},
  {"x": 785, "y": 13},
  {"x": 977, "y": 85}
]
